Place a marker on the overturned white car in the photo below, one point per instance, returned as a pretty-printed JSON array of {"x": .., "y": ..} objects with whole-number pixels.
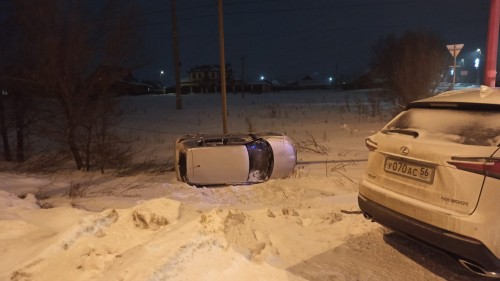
[{"x": 223, "y": 159}]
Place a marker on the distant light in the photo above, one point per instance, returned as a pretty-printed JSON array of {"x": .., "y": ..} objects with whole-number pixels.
[
  {"x": 330, "y": 79},
  {"x": 161, "y": 72},
  {"x": 478, "y": 50},
  {"x": 452, "y": 71},
  {"x": 262, "y": 77},
  {"x": 476, "y": 63}
]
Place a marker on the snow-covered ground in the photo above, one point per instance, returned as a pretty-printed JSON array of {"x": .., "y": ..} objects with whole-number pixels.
[{"x": 145, "y": 225}]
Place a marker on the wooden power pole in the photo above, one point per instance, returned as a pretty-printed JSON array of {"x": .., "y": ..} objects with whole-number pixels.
[
  {"x": 222, "y": 69},
  {"x": 177, "y": 64},
  {"x": 243, "y": 69}
]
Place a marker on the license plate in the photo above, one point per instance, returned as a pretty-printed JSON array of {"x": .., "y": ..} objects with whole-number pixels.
[{"x": 410, "y": 170}]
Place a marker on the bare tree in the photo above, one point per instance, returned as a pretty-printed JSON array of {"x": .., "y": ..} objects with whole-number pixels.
[
  {"x": 23, "y": 111},
  {"x": 5, "y": 33},
  {"x": 67, "y": 47},
  {"x": 3, "y": 127},
  {"x": 411, "y": 65},
  {"x": 16, "y": 103}
]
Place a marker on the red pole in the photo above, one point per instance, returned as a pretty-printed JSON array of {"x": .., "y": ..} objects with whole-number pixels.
[
  {"x": 490, "y": 72},
  {"x": 222, "y": 69}
]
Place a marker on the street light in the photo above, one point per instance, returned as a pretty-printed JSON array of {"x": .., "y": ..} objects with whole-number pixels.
[
  {"x": 463, "y": 71},
  {"x": 161, "y": 81},
  {"x": 477, "y": 62}
]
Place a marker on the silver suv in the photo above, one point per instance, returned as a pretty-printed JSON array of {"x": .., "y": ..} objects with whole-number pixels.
[{"x": 433, "y": 173}]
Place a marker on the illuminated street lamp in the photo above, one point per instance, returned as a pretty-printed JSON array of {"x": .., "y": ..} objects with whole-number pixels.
[
  {"x": 462, "y": 73},
  {"x": 262, "y": 77},
  {"x": 477, "y": 61},
  {"x": 161, "y": 81}
]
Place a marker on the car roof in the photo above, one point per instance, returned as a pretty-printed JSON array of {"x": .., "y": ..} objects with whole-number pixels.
[
  {"x": 208, "y": 165},
  {"x": 483, "y": 98}
]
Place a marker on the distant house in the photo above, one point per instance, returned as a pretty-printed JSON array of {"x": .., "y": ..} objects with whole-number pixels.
[
  {"x": 260, "y": 86},
  {"x": 206, "y": 79},
  {"x": 308, "y": 83},
  {"x": 119, "y": 81},
  {"x": 207, "y": 73}
]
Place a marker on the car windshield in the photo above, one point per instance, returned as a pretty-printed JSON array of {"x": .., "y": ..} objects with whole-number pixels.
[
  {"x": 261, "y": 158},
  {"x": 458, "y": 126}
]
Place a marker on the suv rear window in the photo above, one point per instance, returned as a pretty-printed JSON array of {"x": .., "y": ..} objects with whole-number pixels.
[{"x": 458, "y": 126}]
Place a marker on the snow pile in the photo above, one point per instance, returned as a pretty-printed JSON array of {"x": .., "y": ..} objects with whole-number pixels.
[
  {"x": 160, "y": 240},
  {"x": 148, "y": 226}
]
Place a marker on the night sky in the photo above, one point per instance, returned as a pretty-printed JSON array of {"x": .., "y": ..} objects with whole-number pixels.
[{"x": 287, "y": 39}]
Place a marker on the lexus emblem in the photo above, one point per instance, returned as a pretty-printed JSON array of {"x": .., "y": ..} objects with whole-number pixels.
[{"x": 404, "y": 150}]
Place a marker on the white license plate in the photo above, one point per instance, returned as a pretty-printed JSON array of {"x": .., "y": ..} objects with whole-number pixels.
[{"x": 410, "y": 170}]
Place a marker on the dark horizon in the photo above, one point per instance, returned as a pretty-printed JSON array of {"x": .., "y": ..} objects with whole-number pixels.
[{"x": 286, "y": 40}]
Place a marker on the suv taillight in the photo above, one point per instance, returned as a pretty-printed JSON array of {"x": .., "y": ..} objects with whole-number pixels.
[
  {"x": 371, "y": 145},
  {"x": 481, "y": 165}
]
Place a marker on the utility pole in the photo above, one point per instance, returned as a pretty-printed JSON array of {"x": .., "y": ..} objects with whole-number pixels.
[
  {"x": 177, "y": 64},
  {"x": 222, "y": 69},
  {"x": 243, "y": 69},
  {"x": 490, "y": 71},
  {"x": 336, "y": 77}
]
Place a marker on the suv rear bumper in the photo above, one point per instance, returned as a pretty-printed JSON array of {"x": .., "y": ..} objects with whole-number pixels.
[{"x": 470, "y": 252}]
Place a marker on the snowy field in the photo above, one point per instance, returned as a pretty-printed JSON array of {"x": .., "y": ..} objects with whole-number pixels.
[{"x": 145, "y": 225}]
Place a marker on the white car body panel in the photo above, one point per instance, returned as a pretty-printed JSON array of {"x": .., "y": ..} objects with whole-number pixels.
[
  {"x": 285, "y": 156},
  {"x": 485, "y": 95},
  {"x": 200, "y": 168}
]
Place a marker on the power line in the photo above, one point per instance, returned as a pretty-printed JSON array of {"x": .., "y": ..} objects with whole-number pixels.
[{"x": 213, "y": 13}]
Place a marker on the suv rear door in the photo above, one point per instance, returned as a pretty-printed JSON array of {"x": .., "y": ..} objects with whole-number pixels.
[{"x": 415, "y": 155}]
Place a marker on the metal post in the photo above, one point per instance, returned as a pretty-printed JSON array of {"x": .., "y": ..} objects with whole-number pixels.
[
  {"x": 454, "y": 72},
  {"x": 222, "y": 69},
  {"x": 454, "y": 50},
  {"x": 175, "y": 43},
  {"x": 490, "y": 71}
]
